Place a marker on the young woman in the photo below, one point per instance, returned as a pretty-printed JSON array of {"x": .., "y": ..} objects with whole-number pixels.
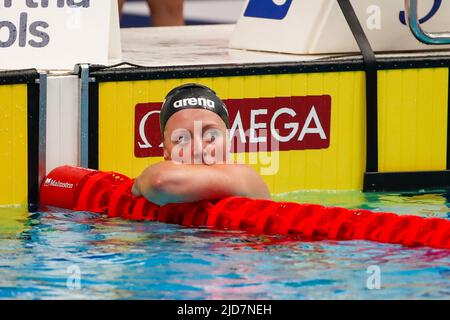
[{"x": 194, "y": 125}]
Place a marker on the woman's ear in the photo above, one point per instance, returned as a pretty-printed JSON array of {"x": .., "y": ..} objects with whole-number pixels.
[
  {"x": 165, "y": 151},
  {"x": 166, "y": 154}
]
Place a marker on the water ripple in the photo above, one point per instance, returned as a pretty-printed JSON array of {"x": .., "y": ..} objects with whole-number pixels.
[{"x": 119, "y": 259}]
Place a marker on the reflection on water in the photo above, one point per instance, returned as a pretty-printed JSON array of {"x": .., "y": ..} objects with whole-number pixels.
[
  {"x": 425, "y": 203},
  {"x": 133, "y": 260}
]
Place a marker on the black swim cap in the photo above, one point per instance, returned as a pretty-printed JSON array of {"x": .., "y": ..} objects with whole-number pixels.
[{"x": 192, "y": 96}]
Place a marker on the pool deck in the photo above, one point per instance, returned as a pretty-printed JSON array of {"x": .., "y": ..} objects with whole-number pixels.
[{"x": 208, "y": 45}]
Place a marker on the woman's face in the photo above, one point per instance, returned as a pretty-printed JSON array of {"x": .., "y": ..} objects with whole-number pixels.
[{"x": 196, "y": 136}]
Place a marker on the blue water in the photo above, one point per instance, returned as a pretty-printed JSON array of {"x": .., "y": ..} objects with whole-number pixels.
[{"x": 76, "y": 255}]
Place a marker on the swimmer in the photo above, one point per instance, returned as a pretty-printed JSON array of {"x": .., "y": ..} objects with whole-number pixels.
[
  {"x": 164, "y": 12},
  {"x": 194, "y": 125}
]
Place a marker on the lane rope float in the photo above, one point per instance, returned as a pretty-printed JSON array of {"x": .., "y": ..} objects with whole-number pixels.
[{"x": 109, "y": 193}]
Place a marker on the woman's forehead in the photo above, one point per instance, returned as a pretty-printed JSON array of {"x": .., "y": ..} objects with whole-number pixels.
[{"x": 186, "y": 119}]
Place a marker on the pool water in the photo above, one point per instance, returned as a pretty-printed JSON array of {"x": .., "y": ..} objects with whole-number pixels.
[{"x": 78, "y": 255}]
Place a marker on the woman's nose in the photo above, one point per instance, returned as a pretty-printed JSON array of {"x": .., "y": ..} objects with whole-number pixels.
[{"x": 197, "y": 149}]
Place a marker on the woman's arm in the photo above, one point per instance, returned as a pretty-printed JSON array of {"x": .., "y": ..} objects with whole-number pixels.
[{"x": 167, "y": 182}]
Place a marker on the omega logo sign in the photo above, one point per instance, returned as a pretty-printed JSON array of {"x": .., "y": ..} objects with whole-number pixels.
[{"x": 295, "y": 123}]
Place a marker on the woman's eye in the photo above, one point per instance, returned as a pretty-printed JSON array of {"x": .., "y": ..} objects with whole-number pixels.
[
  {"x": 212, "y": 135},
  {"x": 181, "y": 139}
]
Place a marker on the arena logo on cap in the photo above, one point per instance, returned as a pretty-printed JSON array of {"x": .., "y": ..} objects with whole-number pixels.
[
  {"x": 293, "y": 123},
  {"x": 193, "y": 102}
]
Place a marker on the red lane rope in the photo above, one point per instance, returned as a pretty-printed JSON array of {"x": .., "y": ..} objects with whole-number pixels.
[{"x": 110, "y": 193}]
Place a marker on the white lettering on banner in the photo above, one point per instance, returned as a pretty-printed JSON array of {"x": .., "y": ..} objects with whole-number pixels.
[
  {"x": 254, "y": 126},
  {"x": 293, "y": 126},
  {"x": 146, "y": 143},
  {"x": 313, "y": 117},
  {"x": 306, "y": 129},
  {"x": 237, "y": 125}
]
